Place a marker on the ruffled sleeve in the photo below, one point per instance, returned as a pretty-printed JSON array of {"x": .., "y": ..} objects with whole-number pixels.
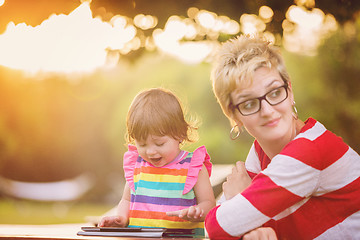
[
  {"x": 200, "y": 157},
  {"x": 129, "y": 162}
]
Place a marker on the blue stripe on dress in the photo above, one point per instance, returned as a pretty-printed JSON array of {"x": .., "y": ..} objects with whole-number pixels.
[
  {"x": 163, "y": 201},
  {"x": 162, "y": 193},
  {"x": 159, "y": 185}
]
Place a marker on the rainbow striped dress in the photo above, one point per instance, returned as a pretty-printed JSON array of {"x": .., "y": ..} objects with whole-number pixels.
[{"x": 157, "y": 190}]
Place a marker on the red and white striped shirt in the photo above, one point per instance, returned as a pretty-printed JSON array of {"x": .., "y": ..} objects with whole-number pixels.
[{"x": 310, "y": 190}]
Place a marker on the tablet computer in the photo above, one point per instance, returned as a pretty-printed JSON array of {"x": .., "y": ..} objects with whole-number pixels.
[{"x": 136, "y": 232}]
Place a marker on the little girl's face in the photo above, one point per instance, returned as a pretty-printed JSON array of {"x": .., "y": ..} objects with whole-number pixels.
[{"x": 158, "y": 150}]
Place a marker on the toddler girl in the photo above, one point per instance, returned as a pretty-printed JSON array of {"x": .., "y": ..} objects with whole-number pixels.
[{"x": 165, "y": 186}]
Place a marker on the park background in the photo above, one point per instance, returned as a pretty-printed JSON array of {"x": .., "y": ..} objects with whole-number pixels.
[{"x": 69, "y": 70}]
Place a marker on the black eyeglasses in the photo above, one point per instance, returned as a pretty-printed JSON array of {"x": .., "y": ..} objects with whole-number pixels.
[{"x": 274, "y": 97}]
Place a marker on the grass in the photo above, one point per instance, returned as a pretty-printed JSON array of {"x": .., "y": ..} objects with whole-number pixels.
[{"x": 30, "y": 212}]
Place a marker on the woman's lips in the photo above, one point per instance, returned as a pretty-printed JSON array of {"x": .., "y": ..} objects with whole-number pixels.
[{"x": 272, "y": 123}]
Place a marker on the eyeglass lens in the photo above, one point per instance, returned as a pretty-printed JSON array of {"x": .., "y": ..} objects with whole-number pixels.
[{"x": 273, "y": 97}]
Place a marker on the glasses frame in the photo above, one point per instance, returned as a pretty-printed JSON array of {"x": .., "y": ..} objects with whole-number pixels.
[{"x": 264, "y": 98}]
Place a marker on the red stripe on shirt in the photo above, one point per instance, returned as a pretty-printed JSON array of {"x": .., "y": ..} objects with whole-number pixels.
[
  {"x": 264, "y": 159},
  {"x": 251, "y": 174},
  {"x": 331, "y": 146},
  {"x": 213, "y": 228},
  {"x": 321, "y": 213},
  {"x": 263, "y": 186},
  {"x": 335, "y": 148}
]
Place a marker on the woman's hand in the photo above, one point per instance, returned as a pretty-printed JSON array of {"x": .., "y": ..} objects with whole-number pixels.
[
  {"x": 193, "y": 214},
  {"x": 237, "y": 181},
  {"x": 262, "y": 233},
  {"x": 113, "y": 221}
]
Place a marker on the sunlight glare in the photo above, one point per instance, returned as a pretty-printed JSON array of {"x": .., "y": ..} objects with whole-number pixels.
[
  {"x": 192, "y": 12},
  {"x": 251, "y": 24},
  {"x": 169, "y": 42},
  {"x": 206, "y": 19},
  {"x": 118, "y": 21},
  {"x": 266, "y": 13},
  {"x": 304, "y": 29},
  {"x": 2, "y": 2},
  {"x": 63, "y": 43},
  {"x": 175, "y": 28},
  {"x": 145, "y": 22},
  {"x": 191, "y": 29},
  {"x": 306, "y": 3},
  {"x": 231, "y": 27}
]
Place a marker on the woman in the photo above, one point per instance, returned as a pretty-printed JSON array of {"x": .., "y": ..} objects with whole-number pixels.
[{"x": 300, "y": 179}]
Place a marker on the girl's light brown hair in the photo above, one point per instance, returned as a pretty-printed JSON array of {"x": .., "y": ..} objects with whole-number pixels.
[{"x": 156, "y": 111}]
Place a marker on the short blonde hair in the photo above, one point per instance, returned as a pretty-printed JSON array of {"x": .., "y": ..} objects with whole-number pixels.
[
  {"x": 236, "y": 61},
  {"x": 157, "y": 112}
]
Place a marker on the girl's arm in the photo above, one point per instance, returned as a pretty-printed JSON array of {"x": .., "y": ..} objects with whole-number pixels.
[
  {"x": 205, "y": 199},
  {"x": 204, "y": 193},
  {"x": 122, "y": 217}
]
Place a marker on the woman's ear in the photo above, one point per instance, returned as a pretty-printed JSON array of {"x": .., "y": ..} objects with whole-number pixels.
[
  {"x": 289, "y": 85},
  {"x": 290, "y": 92},
  {"x": 233, "y": 117},
  {"x": 235, "y": 121}
]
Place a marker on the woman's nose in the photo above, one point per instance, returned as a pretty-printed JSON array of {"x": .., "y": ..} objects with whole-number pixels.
[{"x": 265, "y": 107}]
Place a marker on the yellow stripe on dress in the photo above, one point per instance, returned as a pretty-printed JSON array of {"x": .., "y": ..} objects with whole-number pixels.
[{"x": 159, "y": 178}]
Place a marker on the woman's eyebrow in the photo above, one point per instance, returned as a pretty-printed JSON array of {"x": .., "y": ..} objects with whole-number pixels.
[
  {"x": 245, "y": 95},
  {"x": 250, "y": 95},
  {"x": 242, "y": 97},
  {"x": 273, "y": 82}
]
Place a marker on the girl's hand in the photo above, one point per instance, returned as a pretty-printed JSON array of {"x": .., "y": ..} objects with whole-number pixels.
[
  {"x": 262, "y": 233},
  {"x": 193, "y": 214},
  {"x": 237, "y": 181},
  {"x": 113, "y": 221}
]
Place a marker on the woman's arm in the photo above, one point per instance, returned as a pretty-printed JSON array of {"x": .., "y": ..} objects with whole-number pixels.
[
  {"x": 285, "y": 183},
  {"x": 262, "y": 233},
  {"x": 122, "y": 217}
]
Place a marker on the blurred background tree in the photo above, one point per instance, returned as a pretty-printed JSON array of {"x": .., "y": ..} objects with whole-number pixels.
[{"x": 58, "y": 124}]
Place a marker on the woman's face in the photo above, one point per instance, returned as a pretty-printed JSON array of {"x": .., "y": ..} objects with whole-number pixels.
[{"x": 270, "y": 123}]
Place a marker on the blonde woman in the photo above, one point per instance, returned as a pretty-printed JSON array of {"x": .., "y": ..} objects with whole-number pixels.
[{"x": 299, "y": 179}]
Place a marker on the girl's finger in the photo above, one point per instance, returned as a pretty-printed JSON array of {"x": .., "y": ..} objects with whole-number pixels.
[{"x": 174, "y": 213}]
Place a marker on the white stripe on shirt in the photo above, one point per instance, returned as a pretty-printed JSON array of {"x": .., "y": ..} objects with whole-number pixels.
[{"x": 233, "y": 218}]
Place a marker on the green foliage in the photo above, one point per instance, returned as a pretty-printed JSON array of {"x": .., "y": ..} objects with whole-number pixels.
[
  {"x": 327, "y": 85},
  {"x": 340, "y": 69},
  {"x": 56, "y": 127}
]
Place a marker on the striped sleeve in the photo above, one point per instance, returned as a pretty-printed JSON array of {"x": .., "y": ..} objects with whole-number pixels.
[
  {"x": 289, "y": 180},
  {"x": 213, "y": 228},
  {"x": 252, "y": 163}
]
